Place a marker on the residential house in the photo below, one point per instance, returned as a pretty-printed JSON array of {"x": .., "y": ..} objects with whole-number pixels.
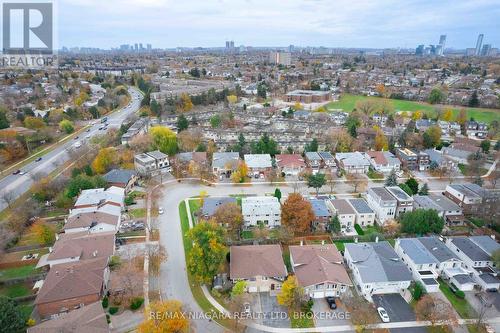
[
  {"x": 140, "y": 126},
  {"x": 476, "y": 253},
  {"x": 225, "y": 163},
  {"x": 97, "y": 197},
  {"x": 376, "y": 268},
  {"x": 353, "y": 162},
  {"x": 211, "y": 204},
  {"x": 290, "y": 164},
  {"x": 151, "y": 162},
  {"x": 467, "y": 196},
  {"x": 261, "y": 211},
  {"x": 71, "y": 285},
  {"x": 260, "y": 266},
  {"x": 319, "y": 270},
  {"x": 476, "y": 129},
  {"x": 365, "y": 216},
  {"x": 423, "y": 161},
  {"x": 313, "y": 160},
  {"x": 345, "y": 213},
  {"x": 446, "y": 208},
  {"x": 440, "y": 160},
  {"x": 428, "y": 258},
  {"x": 327, "y": 160},
  {"x": 123, "y": 178},
  {"x": 92, "y": 222},
  {"x": 90, "y": 318},
  {"x": 383, "y": 161},
  {"x": 78, "y": 246},
  {"x": 408, "y": 158},
  {"x": 322, "y": 214},
  {"x": 383, "y": 203},
  {"x": 405, "y": 202},
  {"x": 258, "y": 164}
]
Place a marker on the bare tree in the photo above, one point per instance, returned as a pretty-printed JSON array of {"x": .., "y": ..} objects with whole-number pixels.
[
  {"x": 435, "y": 310},
  {"x": 8, "y": 197}
]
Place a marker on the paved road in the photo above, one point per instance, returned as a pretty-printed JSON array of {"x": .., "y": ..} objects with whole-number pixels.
[{"x": 19, "y": 184}]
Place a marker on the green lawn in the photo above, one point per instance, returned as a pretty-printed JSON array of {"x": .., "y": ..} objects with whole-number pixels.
[
  {"x": 347, "y": 102},
  {"x": 194, "y": 206},
  {"x": 300, "y": 320},
  {"x": 137, "y": 213},
  {"x": 17, "y": 272},
  {"x": 341, "y": 244},
  {"x": 15, "y": 290},
  {"x": 462, "y": 307},
  {"x": 247, "y": 234}
]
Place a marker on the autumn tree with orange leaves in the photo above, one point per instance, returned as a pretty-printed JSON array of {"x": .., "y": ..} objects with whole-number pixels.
[
  {"x": 164, "y": 317},
  {"x": 297, "y": 213}
]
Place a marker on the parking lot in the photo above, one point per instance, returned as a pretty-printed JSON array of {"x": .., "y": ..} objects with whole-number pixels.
[
  {"x": 324, "y": 316},
  {"x": 398, "y": 310}
]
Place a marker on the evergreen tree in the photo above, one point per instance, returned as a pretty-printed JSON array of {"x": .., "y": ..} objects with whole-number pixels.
[{"x": 392, "y": 179}]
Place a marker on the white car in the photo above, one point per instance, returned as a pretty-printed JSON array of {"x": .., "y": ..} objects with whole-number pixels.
[
  {"x": 160, "y": 210},
  {"x": 78, "y": 144},
  {"x": 22, "y": 173},
  {"x": 383, "y": 314}
]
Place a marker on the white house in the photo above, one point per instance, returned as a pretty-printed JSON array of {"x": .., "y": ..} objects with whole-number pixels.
[
  {"x": 383, "y": 203},
  {"x": 404, "y": 201},
  {"x": 261, "y": 211},
  {"x": 383, "y": 161},
  {"x": 376, "y": 268},
  {"x": 352, "y": 162},
  {"x": 365, "y": 216},
  {"x": 345, "y": 213}
]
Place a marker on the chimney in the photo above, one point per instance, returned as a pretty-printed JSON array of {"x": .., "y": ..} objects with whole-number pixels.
[{"x": 376, "y": 239}]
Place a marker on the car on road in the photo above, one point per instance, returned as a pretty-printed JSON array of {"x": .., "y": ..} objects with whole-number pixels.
[
  {"x": 38, "y": 159},
  {"x": 78, "y": 144},
  {"x": 16, "y": 172},
  {"x": 383, "y": 314},
  {"x": 160, "y": 210},
  {"x": 88, "y": 136},
  {"x": 331, "y": 302},
  {"x": 76, "y": 137},
  {"x": 88, "y": 130},
  {"x": 101, "y": 128}
]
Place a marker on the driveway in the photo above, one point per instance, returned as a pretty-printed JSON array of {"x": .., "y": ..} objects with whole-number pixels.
[
  {"x": 492, "y": 299},
  {"x": 269, "y": 311},
  {"x": 398, "y": 310},
  {"x": 324, "y": 316}
]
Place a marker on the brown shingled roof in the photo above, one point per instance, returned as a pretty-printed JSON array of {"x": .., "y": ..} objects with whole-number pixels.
[
  {"x": 249, "y": 261},
  {"x": 70, "y": 280},
  {"x": 315, "y": 264},
  {"x": 83, "y": 244},
  {"x": 83, "y": 220},
  {"x": 87, "y": 319}
]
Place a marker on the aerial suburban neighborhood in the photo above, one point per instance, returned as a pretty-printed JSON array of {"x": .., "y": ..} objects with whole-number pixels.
[{"x": 212, "y": 187}]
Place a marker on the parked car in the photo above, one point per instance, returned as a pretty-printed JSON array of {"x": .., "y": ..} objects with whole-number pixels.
[
  {"x": 160, "y": 210},
  {"x": 75, "y": 138},
  {"x": 383, "y": 314},
  {"x": 331, "y": 302},
  {"x": 16, "y": 172}
]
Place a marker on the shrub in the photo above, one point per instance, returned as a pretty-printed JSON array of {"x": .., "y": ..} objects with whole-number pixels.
[
  {"x": 359, "y": 230},
  {"x": 108, "y": 319},
  {"x": 417, "y": 291},
  {"x": 136, "y": 303},
  {"x": 129, "y": 200},
  {"x": 460, "y": 294},
  {"x": 113, "y": 310},
  {"x": 105, "y": 302}
]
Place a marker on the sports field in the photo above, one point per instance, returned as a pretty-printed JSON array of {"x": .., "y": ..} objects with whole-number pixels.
[{"x": 347, "y": 102}]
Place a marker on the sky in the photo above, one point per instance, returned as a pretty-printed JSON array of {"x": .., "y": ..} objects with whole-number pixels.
[{"x": 330, "y": 23}]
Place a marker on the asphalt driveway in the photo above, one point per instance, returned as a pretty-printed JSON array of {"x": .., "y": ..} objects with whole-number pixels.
[
  {"x": 324, "y": 316},
  {"x": 273, "y": 314},
  {"x": 398, "y": 310}
]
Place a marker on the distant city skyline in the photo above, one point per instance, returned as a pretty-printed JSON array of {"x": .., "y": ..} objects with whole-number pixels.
[{"x": 340, "y": 23}]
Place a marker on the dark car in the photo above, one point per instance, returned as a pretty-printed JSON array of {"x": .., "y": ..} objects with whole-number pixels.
[
  {"x": 16, "y": 172},
  {"x": 331, "y": 302},
  {"x": 75, "y": 138},
  {"x": 38, "y": 159}
]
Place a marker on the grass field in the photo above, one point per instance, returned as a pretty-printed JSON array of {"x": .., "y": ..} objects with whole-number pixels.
[
  {"x": 15, "y": 290},
  {"x": 347, "y": 102},
  {"x": 18, "y": 272}
]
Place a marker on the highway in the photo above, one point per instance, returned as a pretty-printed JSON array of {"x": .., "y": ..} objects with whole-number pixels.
[{"x": 13, "y": 186}]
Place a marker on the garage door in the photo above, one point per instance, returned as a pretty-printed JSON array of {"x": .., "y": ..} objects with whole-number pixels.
[
  {"x": 318, "y": 294},
  {"x": 252, "y": 289},
  {"x": 264, "y": 288}
]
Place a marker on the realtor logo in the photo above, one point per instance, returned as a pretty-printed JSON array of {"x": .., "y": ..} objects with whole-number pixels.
[{"x": 27, "y": 28}]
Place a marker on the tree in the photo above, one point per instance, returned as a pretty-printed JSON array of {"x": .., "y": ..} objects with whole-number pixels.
[
  {"x": 312, "y": 146},
  {"x": 34, "y": 123},
  {"x": 66, "y": 126},
  {"x": 164, "y": 317},
  {"x": 229, "y": 214},
  {"x": 392, "y": 179},
  {"x": 447, "y": 114},
  {"x": 238, "y": 289},
  {"x": 4, "y": 122},
  {"x": 436, "y": 96},
  {"x": 105, "y": 159},
  {"x": 190, "y": 139},
  {"x": 316, "y": 181},
  {"x": 11, "y": 317},
  {"x": 406, "y": 188},
  {"x": 413, "y": 185},
  {"x": 435, "y": 310},
  {"x": 335, "y": 224},
  {"x": 164, "y": 139},
  {"x": 277, "y": 194},
  {"x": 157, "y": 256},
  {"x": 495, "y": 256},
  {"x": 417, "y": 291},
  {"x": 291, "y": 294},
  {"x": 358, "y": 182},
  {"x": 297, "y": 213},
  {"x": 232, "y": 99},
  {"x": 424, "y": 190},
  {"x": 381, "y": 142},
  {"x": 362, "y": 312},
  {"x": 474, "y": 100},
  {"x": 485, "y": 146},
  {"x": 241, "y": 173},
  {"x": 208, "y": 250},
  {"x": 182, "y": 123},
  {"x": 421, "y": 221},
  {"x": 416, "y": 115},
  {"x": 265, "y": 145},
  {"x": 432, "y": 136},
  {"x": 331, "y": 180},
  {"x": 44, "y": 234},
  {"x": 185, "y": 104}
]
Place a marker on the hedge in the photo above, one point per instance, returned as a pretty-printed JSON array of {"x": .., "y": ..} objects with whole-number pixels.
[
  {"x": 136, "y": 303},
  {"x": 359, "y": 230},
  {"x": 113, "y": 310}
]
